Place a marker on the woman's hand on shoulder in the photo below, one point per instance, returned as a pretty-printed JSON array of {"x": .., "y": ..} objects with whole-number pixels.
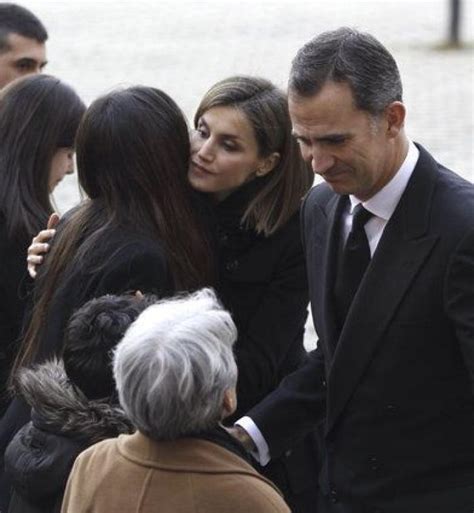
[{"x": 40, "y": 245}]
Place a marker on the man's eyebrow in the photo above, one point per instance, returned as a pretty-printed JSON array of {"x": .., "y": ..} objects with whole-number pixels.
[
  {"x": 27, "y": 60},
  {"x": 324, "y": 138}
]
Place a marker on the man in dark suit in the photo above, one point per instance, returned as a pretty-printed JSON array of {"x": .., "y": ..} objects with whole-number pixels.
[{"x": 389, "y": 244}]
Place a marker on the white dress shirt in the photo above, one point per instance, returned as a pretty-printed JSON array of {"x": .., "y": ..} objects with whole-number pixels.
[{"x": 382, "y": 205}]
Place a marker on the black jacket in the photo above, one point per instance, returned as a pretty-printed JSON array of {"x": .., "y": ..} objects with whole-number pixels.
[
  {"x": 14, "y": 286},
  {"x": 64, "y": 423},
  {"x": 396, "y": 387},
  {"x": 133, "y": 262},
  {"x": 262, "y": 281}
]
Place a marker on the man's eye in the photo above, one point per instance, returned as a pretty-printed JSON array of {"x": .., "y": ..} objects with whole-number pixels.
[
  {"x": 25, "y": 66},
  {"x": 302, "y": 142},
  {"x": 337, "y": 141}
]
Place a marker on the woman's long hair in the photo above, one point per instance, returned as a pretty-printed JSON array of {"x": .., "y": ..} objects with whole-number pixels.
[
  {"x": 132, "y": 158},
  {"x": 266, "y": 109},
  {"x": 38, "y": 115}
]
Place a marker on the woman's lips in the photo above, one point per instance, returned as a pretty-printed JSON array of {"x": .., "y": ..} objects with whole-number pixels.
[{"x": 200, "y": 169}]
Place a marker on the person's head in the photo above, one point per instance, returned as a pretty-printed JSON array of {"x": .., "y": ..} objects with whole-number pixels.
[
  {"x": 22, "y": 43},
  {"x": 39, "y": 117},
  {"x": 243, "y": 134},
  {"x": 91, "y": 335},
  {"x": 345, "y": 101},
  {"x": 132, "y": 150},
  {"x": 133, "y": 156},
  {"x": 174, "y": 369}
]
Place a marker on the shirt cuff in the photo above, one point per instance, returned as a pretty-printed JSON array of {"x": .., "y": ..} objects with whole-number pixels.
[{"x": 262, "y": 454}]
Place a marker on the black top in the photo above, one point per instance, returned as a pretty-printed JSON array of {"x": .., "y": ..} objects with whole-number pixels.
[
  {"x": 14, "y": 285},
  {"x": 262, "y": 281}
]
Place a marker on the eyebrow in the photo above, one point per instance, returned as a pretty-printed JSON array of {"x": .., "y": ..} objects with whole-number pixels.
[
  {"x": 224, "y": 135},
  {"x": 324, "y": 138},
  {"x": 30, "y": 62}
]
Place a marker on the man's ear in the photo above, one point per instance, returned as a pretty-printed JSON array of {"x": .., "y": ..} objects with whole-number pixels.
[
  {"x": 395, "y": 117},
  {"x": 268, "y": 164}
]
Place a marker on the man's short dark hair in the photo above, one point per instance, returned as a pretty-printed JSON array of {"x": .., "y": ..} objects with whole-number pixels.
[
  {"x": 348, "y": 56},
  {"x": 15, "y": 19},
  {"x": 90, "y": 339}
]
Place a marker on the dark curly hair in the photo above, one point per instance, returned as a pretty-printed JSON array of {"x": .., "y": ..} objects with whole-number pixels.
[{"x": 92, "y": 333}]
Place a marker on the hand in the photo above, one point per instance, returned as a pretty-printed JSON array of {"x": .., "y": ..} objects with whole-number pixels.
[
  {"x": 39, "y": 245},
  {"x": 243, "y": 437}
]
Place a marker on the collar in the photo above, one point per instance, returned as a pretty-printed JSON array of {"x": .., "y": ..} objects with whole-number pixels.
[{"x": 383, "y": 203}]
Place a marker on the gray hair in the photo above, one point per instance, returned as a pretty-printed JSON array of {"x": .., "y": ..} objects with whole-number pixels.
[
  {"x": 348, "y": 56},
  {"x": 174, "y": 364}
]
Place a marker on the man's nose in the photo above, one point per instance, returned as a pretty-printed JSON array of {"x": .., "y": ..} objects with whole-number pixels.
[{"x": 321, "y": 161}]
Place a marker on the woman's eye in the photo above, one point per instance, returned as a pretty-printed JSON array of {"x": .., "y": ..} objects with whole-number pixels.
[
  {"x": 229, "y": 147},
  {"x": 201, "y": 132}
]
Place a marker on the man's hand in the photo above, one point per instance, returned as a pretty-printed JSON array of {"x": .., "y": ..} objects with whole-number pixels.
[
  {"x": 39, "y": 245},
  {"x": 243, "y": 437}
]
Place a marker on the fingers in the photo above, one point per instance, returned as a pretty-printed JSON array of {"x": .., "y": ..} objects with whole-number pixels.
[
  {"x": 33, "y": 261},
  {"x": 39, "y": 247},
  {"x": 53, "y": 220}
]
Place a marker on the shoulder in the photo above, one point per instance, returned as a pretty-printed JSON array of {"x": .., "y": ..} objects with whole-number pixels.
[
  {"x": 243, "y": 485},
  {"x": 97, "y": 456},
  {"x": 253, "y": 493},
  {"x": 319, "y": 195}
]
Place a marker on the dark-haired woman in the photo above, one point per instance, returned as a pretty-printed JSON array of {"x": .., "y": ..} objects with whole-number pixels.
[
  {"x": 245, "y": 159},
  {"x": 39, "y": 116},
  {"x": 138, "y": 230}
]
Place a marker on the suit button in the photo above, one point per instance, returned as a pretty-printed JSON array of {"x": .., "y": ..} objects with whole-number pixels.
[
  {"x": 374, "y": 463},
  {"x": 232, "y": 265},
  {"x": 323, "y": 382},
  {"x": 333, "y": 497}
]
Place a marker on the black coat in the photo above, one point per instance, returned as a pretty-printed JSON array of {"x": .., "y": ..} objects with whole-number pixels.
[
  {"x": 39, "y": 458},
  {"x": 134, "y": 262},
  {"x": 14, "y": 285},
  {"x": 262, "y": 282},
  {"x": 396, "y": 387}
]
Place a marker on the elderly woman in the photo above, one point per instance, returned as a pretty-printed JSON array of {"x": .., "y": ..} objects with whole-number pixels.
[{"x": 176, "y": 378}]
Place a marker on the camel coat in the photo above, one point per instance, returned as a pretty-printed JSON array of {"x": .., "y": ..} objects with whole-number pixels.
[{"x": 191, "y": 475}]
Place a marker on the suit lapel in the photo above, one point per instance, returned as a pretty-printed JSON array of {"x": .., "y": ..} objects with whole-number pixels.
[
  {"x": 402, "y": 250},
  {"x": 323, "y": 268}
]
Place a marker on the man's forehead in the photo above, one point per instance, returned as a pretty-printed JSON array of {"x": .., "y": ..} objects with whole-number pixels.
[{"x": 19, "y": 44}]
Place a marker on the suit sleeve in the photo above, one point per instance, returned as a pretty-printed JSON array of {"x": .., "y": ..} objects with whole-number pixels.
[{"x": 459, "y": 298}]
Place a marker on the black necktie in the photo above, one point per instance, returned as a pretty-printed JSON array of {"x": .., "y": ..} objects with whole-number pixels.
[{"x": 352, "y": 263}]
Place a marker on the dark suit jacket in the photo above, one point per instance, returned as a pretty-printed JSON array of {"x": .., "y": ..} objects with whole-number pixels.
[{"x": 396, "y": 387}]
